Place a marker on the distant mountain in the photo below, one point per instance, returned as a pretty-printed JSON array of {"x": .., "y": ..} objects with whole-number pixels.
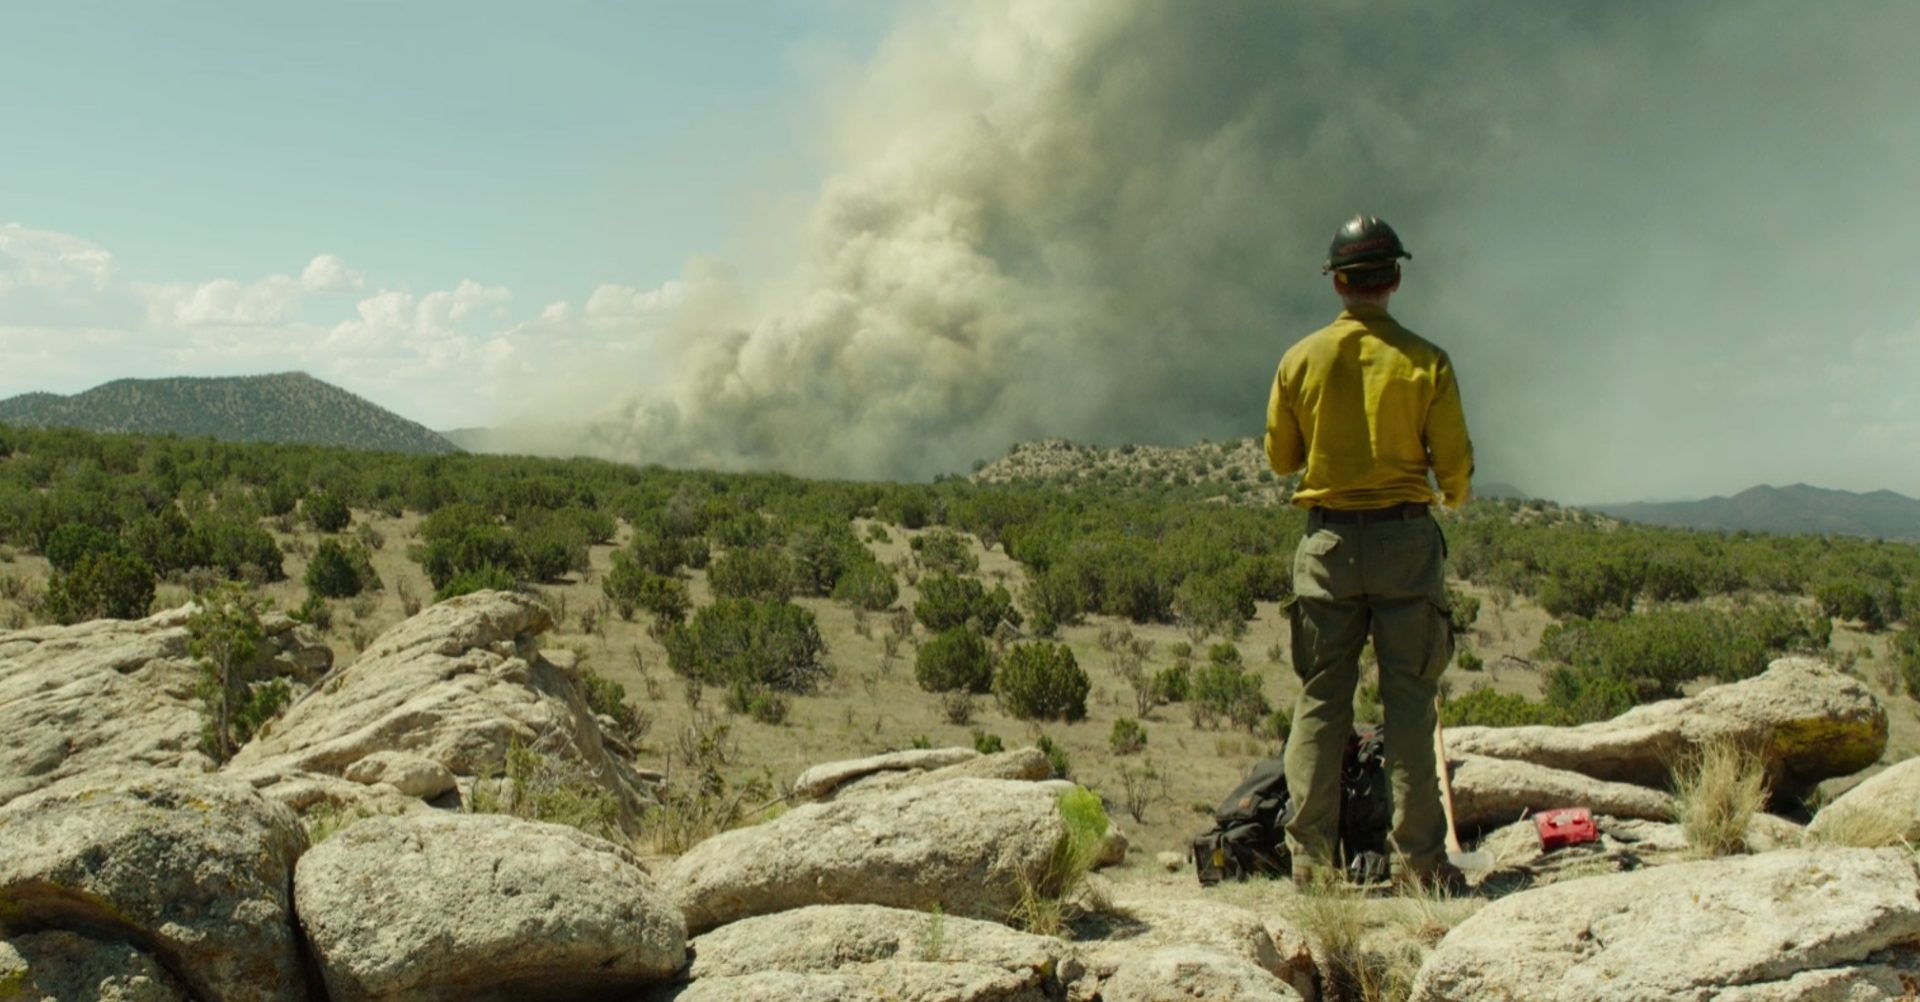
[
  {"x": 1795, "y": 509},
  {"x": 286, "y": 407}
]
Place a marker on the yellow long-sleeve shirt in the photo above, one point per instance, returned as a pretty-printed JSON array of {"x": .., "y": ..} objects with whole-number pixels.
[{"x": 1367, "y": 406}]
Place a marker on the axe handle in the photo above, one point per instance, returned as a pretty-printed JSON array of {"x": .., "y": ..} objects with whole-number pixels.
[{"x": 1446, "y": 784}]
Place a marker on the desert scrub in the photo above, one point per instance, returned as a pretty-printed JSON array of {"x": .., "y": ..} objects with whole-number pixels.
[
  {"x": 1370, "y": 950},
  {"x": 1041, "y": 681},
  {"x": 1717, "y": 790},
  {"x": 775, "y": 644}
]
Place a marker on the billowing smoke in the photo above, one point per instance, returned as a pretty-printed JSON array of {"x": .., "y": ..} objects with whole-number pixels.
[{"x": 1638, "y": 227}]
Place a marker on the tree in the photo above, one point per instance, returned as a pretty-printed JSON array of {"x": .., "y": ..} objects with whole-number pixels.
[
  {"x": 327, "y": 512},
  {"x": 1041, "y": 681},
  {"x": 333, "y": 572},
  {"x": 224, "y": 636},
  {"x": 955, "y": 660}
]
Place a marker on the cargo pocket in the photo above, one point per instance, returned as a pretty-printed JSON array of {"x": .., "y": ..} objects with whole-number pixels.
[
  {"x": 1300, "y": 644},
  {"x": 1439, "y": 639}
]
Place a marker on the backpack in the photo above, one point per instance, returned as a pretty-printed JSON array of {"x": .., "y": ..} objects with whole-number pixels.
[
  {"x": 1249, "y": 827},
  {"x": 1249, "y": 831}
]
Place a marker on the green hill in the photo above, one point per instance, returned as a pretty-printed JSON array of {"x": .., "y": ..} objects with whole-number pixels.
[
  {"x": 1798, "y": 508},
  {"x": 290, "y": 407}
]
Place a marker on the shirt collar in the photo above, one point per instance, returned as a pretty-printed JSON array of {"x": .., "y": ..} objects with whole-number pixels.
[{"x": 1365, "y": 311}]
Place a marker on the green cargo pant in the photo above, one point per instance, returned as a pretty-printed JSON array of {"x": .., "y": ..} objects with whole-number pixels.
[{"x": 1387, "y": 579}]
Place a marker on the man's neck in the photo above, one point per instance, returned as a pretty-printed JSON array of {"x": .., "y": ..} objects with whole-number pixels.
[{"x": 1359, "y": 304}]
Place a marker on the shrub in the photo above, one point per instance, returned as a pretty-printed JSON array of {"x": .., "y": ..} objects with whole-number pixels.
[
  {"x": 1906, "y": 658},
  {"x": 109, "y": 585},
  {"x": 760, "y": 573},
  {"x": 485, "y": 578},
  {"x": 1056, "y": 756},
  {"x": 955, "y": 660},
  {"x": 823, "y": 552},
  {"x": 1127, "y": 736},
  {"x": 739, "y": 639},
  {"x": 948, "y": 601},
  {"x": 1041, "y": 681},
  {"x": 988, "y": 744},
  {"x": 867, "y": 585},
  {"x": 758, "y": 701},
  {"x": 1215, "y": 603},
  {"x": 1468, "y": 661},
  {"x": 1221, "y": 688},
  {"x": 623, "y": 584},
  {"x": 1174, "y": 683},
  {"x": 223, "y": 636},
  {"x": 1043, "y": 907},
  {"x": 1485, "y": 707},
  {"x": 944, "y": 551},
  {"x": 326, "y": 512},
  {"x": 75, "y": 541},
  {"x": 543, "y": 787},
  {"x": 1054, "y": 597},
  {"x": 1851, "y": 600},
  {"x": 337, "y": 572}
]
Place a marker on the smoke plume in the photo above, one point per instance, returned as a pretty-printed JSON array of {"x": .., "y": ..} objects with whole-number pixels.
[{"x": 1643, "y": 230}]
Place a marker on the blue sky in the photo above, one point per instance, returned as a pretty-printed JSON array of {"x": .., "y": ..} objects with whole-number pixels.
[{"x": 543, "y": 147}]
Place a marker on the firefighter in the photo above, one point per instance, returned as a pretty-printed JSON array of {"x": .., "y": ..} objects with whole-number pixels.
[{"x": 1366, "y": 408}]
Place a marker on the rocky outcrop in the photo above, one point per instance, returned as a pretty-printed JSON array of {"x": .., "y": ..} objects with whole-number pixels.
[
  {"x": 1883, "y": 810},
  {"x": 457, "y": 906},
  {"x": 65, "y": 965},
  {"x": 885, "y": 952},
  {"x": 1771, "y": 927},
  {"x": 456, "y": 685},
  {"x": 193, "y": 871},
  {"x": 1137, "y": 925},
  {"x": 1184, "y": 973},
  {"x": 1810, "y": 721},
  {"x": 1028, "y": 764},
  {"x": 410, "y": 775},
  {"x": 820, "y": 781},
  {"x": 118, "y": 693},
  {"x": 1491, "y": 791},
  {"x": 964, "y": 846}
]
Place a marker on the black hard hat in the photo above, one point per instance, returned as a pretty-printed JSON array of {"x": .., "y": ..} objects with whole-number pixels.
[{"x": 1361, "y": 241}]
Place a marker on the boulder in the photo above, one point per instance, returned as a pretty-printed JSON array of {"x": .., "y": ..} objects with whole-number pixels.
[
  {"x": 457, "y": 685},
  {"x": 1028, "y": 763},
  {"x": 436, "y": 905},
  {"x": 1490, "y": 792},
  {"x": 115, "y": 693},
  {"x": 1883, "y": 810},
  {"x": 1811, "y": 721},
  {"x": 901, "y": 982},
  {"x": 192, "y": 871},
  {"x": 1135, "y": 925},
  {"x": 67, "y": 966},
  {"x": 1185, "y": 973},
  {"x": 820, "y": 782},
  {"x": 964, "y": 846},
  {"x": 412, "y": 775},
  {"x": 888, "y": 951},
  {"x": 1767, "y": 927}
]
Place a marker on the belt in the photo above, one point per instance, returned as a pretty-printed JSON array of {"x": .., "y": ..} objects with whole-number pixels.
[{"x": 1395, "y": 513}]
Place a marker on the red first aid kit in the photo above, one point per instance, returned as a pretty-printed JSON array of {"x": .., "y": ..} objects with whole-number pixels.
[{"x": 1564, "y": 827}]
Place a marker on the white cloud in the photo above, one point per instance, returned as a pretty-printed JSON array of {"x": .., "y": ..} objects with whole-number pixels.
[
  {"x": 224, "y": 301},
  {"x": 56, "y": 279},
  {"x": 326, "y": 274},
  {"x": 618, "y": 304}
]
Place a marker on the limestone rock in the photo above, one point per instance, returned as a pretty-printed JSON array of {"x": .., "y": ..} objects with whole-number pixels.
[
  {"x": 116, "y": 693},
  {"x": 820, "y": 782},
  {"x": 963, "y": 845},
  {"x": 1812, "y": 721},
  {"x": 1185, "y": 973},
  {"x": 413, "y": 775},
  {"x": 193, "y": 870},
  {"x": 457, "y": 684},
  {"x": 473, "y": 906},
  {"x": 1765, "y": 927},
  {"x": 894, "y": 952},
  {"x": 1884, "y": 808},
  {"x": 66, "y": 967},
  {"x": 1494, "y": 791}
]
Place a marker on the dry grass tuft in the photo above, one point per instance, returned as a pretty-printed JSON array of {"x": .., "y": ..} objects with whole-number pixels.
[
  {"x": 1717, "y": 790},
  {"x": 1863, "y": 830}
]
